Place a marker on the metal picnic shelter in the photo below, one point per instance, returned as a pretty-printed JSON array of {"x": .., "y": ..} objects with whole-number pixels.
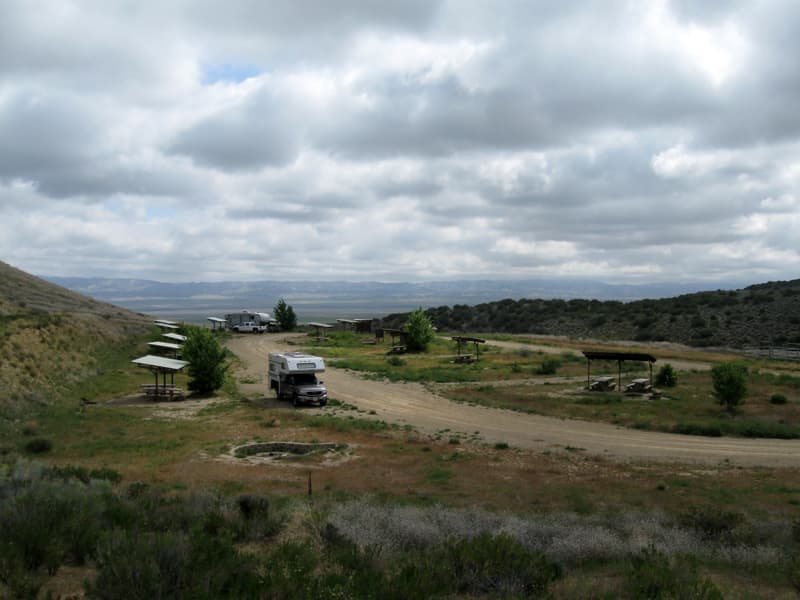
[
  {"x": 620, "y": 357},
  {"x": 160, "y": 365}
]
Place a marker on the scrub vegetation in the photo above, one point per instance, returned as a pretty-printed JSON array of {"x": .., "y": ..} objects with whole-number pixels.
[{"x": 761, "y": 314}]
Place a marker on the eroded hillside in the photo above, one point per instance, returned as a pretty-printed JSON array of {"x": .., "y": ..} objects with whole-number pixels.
[{"x": 51, "y": 337}]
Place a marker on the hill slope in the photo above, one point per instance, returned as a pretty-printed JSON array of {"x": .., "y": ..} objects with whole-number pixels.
[
  {"x": 761, "y": 314},
  {"x": 50, "y": 337}
]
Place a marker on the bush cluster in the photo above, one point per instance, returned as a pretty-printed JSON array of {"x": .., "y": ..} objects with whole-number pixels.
[
  {"x": 730, "y": 384},
  {"x": 777, "y": 398},
  {"x": 652, "y": 574},
  {"x": 549, "y": 366},
  {"x": 143, "y": 542},
  {"x": 666, "y": 376}
]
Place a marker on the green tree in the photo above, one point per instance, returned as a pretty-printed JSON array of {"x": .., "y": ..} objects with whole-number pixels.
[
  {"x": 419, "y": 331},
  {"x": 666, "y": 376},
  {"x": 206, "y": 358},
  {"x": 730, "y": 384},
  {"x": 285, "y": 316}
]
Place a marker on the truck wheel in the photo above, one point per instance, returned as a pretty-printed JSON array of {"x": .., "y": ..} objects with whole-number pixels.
[{"x": 323, "y": 402}]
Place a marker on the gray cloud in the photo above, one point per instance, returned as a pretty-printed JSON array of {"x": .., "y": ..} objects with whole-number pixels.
[{"x": 633, "y": 141}]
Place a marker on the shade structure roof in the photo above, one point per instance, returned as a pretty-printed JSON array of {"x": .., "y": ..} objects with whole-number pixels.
[
  {"x": 165, "y": 345},
  {"x": 216, "y": 320},
  {"x": 160, "y": 363},
  {"x": 175, "y": 336},
  {"x": 461, "y": 338},
  {"x": 603, "y": 355},
  {"x": 322, "y": 325}
]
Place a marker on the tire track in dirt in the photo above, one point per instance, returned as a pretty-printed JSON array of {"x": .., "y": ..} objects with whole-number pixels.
[{"x": 413, "y": 404}]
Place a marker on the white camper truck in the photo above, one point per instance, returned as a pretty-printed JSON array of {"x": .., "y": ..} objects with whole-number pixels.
[
  {"x": 294, "y": 375},
  {"x": 245, "y": 318}
]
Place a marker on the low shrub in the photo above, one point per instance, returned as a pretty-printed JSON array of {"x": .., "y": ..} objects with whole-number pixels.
[
  {"x": 666, "y": 376},
  {"x": 652, "y": 574},
  {"x": 793, "y": 572},
  {"x": 67, "y": 472},
  {"x": 106, "y": 474},
  {"x": 549, "y": 366},
  {"x": 709, "y": 430},
  {"x": 38, "y": 446},
  {"x": 260, "y": 522},
  {"x": 777, "y": 399},
  {"x": 711, "y": 523},
  {"x": 46, "y": 524},
  {"x": 730, "y": 384},
  {"x": 172, "y": 565},
  {"x": 761, "y": 429},
  {"x": 484, "y": 566}
]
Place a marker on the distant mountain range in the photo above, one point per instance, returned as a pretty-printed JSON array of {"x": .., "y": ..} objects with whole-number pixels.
[{"x": 327, "y": 300}]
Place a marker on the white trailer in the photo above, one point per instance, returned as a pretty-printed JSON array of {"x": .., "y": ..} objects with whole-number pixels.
[{"x": 294, "y": 375}]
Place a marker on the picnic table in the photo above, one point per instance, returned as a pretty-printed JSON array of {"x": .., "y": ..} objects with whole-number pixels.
[
  {"x": 640, "y": 386},
  {"x": 397, "y": 350},
  {"x": 603, "y": 384},
  {"x": 162, "y": 392},
  {"x": 464, "y": 358}
]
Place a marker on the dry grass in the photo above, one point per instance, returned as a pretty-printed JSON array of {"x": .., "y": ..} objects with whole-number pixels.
[{"x": 51, "y": 338}]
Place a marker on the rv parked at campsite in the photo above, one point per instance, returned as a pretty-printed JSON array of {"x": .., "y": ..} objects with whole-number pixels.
[{"x": 294, "y": 375}]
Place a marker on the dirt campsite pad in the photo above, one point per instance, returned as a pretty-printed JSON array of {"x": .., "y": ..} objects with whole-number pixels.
[{"x": 412, "y": 404}]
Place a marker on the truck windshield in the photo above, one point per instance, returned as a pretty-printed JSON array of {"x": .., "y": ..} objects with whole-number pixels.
[{"x": 305, "y": 379}]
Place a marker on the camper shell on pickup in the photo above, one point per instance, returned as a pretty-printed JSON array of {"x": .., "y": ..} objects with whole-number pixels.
[{"x": 294, "y": 375}]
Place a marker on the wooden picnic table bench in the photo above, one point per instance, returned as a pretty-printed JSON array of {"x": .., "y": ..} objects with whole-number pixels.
[
  {"x": 639, "y": 386},
  {"x": 397, "y": 350},
  {"x": 169, "y": 391},
  {"x": 603, "y": 384},
  {"x": 464, "y": 358}
]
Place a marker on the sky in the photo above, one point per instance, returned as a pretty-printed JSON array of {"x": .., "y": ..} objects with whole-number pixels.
[{"x": 191, "y": 140}]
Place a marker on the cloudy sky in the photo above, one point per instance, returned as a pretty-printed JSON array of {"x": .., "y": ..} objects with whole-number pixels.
[{"x": 402, "y": 140}]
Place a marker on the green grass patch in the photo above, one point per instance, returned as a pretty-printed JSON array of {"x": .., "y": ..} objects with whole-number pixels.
[
  {"x": 345, "y": 424},
  {"x": 438, "y": 474},
  {"x": 347, "y": 351}
]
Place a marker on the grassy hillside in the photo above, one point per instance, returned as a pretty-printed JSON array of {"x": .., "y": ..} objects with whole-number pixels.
[
  {"x": 51, "y": 337},
  {"x": 768, "y": 313}
]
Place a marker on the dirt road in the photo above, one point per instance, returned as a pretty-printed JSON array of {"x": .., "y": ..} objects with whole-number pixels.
[
  {"x": 680, "y": 364},
  {"x": 410, "y": 403}
]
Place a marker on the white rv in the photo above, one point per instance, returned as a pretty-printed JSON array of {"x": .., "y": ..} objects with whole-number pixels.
[
  {"x": 294, "y": 375},
  {"x": 235, "y": 321}
]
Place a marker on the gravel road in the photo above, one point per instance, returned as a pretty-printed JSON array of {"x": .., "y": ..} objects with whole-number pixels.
[{"x": 410, "y": 403}]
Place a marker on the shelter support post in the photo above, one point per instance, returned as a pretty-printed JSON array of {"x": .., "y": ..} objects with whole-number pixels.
[{"x": 588, "y": 373}]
